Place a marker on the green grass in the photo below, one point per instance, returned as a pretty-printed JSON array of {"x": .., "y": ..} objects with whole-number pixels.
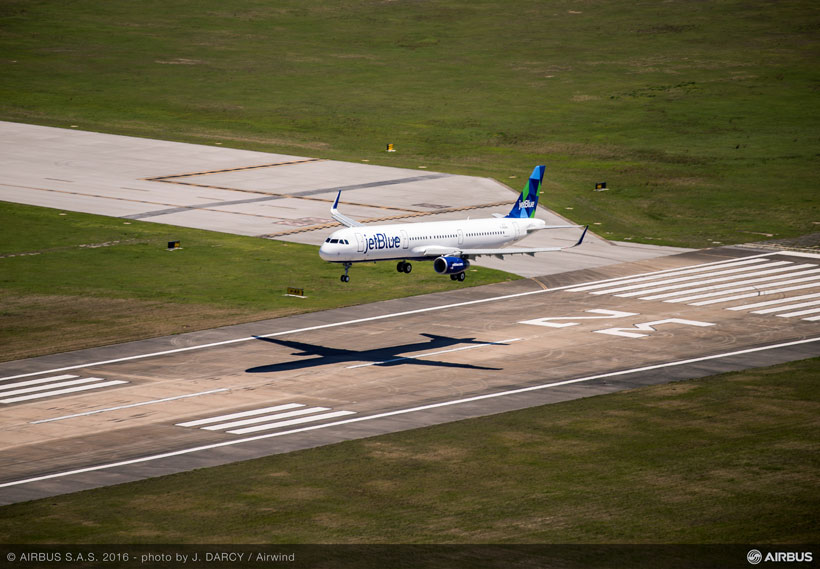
[
  {"x": 727, "y": 459},
  {"x": 71, "y": 280},
  {"x": 700, "y": 116}
]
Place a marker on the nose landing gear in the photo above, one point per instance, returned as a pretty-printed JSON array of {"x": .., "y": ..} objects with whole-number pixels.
[
  {"x": 404, "y": 267},
  {"x": 345, "y": 277}
]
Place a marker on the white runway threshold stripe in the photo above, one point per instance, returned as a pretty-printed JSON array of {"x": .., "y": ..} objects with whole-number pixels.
[
  {"x": 36, "y": 381},
  {"x": 398, "y": 412},
  {"x": 50, "y": 387},
  {"x": 800, "y": 313},
  {"x": 238, "y": 415},
  {"x": 723, "y": 282},
  {"x": 618, "y": 281},
  {"x": 774, "y": 302},
  {"x": 264, "y": 419},
  {"x": 275, "y": 417},
  {"x": 713, "y": 277},
  {"x": 292, "y": 422}
]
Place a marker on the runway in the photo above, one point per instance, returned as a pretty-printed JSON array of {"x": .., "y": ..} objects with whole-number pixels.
[{"x": 128, "y": 412}]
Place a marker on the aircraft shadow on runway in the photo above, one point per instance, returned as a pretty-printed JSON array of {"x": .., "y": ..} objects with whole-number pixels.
[{"x": 390, "y": 356}]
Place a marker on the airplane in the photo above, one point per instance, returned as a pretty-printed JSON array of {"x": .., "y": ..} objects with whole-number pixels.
[{"x": 451, "y": 245}]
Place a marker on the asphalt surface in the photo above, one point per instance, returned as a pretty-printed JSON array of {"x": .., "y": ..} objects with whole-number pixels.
[
  {"x": 133, "y": 411},
  {"x": 270, "y": 195},
  {"x": 595, "y": 320}
]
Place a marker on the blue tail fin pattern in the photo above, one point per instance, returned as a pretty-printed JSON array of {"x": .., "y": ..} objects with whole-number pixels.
[{"x": 528, "y": 200}]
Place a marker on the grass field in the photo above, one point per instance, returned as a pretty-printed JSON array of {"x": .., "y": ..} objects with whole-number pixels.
[
  {"x": 728, "y": 459},
  {"x": 71, "y": 280},
  {"x": 701, "y": 117}
]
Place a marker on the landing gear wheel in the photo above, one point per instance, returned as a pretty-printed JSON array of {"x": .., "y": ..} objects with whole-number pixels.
[
  {"x": 345, "y": 278},
  {"x": 461, "y": 277},
  {"x": 404, "y": 267},
  {"x": 408, "y": 267},
  {"x": 400, "y": 266}
]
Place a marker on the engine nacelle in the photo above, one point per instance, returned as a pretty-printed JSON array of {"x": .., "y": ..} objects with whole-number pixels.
[{"x": 450, "y": 265}]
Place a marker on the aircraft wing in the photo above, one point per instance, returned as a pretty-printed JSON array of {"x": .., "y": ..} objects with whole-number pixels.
[
  {"x": 437, "y": 251},
  {"x": 340, "y": 217}
]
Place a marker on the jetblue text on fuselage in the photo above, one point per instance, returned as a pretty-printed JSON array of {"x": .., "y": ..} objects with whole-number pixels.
[{"x": 381, "y": 241}]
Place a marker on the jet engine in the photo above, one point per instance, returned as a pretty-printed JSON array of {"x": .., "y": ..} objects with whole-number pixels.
[{"x": 450, "y": 265}]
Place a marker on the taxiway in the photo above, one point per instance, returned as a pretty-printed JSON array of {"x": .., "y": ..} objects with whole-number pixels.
[{"x": 268, "y": 195}]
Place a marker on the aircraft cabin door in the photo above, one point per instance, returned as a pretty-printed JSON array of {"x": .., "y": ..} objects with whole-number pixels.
[
  {"x": 405, "y": 240},
  {"x": 360, "y": 242},
  {"x": 460, "y": 237}
]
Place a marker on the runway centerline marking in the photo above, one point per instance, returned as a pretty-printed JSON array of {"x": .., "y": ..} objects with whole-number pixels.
[
  {"x": 498, "y": 343},
  {"x": 108, "y": 409},
  {"x": 404, "y": 411},
  {"x": 355, "y": 321}
]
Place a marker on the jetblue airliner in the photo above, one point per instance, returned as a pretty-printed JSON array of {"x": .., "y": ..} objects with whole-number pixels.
[{"x": 449, "y": 244}]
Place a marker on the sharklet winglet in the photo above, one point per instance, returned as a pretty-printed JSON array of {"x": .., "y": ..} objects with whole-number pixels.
[{"x": 340, "y": 217}]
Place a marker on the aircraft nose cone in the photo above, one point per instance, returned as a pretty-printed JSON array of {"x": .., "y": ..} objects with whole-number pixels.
[{"x": 328, "y": 252}]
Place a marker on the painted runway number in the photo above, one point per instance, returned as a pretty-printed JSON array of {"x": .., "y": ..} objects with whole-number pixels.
[
  {"x": 635, "y": 331},
  {"x": 649, "y": 327},
  {"x": 550, "y": 321}
]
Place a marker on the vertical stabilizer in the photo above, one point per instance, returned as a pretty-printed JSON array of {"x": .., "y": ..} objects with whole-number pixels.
[{"x": 527, "y": 202}]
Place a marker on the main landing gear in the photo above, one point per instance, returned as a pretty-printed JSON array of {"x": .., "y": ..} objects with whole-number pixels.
[
  {"x": 458, "y": 277},
  {"x": 345, "y": 278},
  {"x": 404, "y": 267}
]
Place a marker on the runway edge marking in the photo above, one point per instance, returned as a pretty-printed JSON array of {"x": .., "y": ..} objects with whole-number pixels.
[
  {"x": 403, "y": 412},
  {"x": 350, "y": 322}
]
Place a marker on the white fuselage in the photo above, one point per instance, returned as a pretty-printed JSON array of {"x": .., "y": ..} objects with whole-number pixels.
[{"x": 411, "y": 240}]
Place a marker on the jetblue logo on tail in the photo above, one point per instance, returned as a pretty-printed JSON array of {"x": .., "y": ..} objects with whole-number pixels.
[{"x": 528, "y": 200}]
